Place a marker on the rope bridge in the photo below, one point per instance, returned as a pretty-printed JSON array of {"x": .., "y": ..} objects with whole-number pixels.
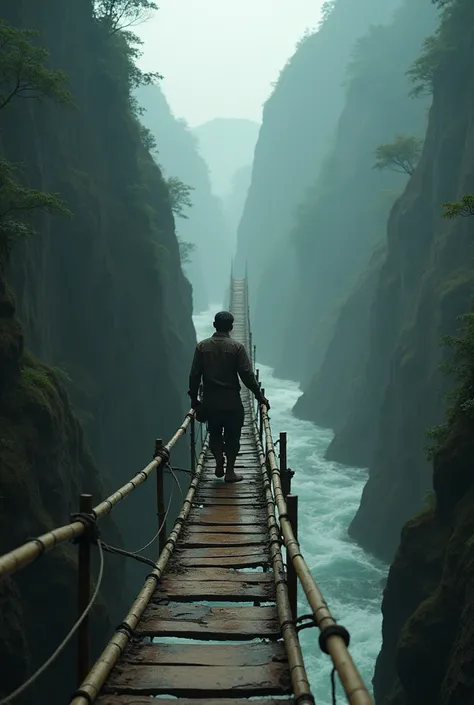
[{"x": 225, "y": 547}]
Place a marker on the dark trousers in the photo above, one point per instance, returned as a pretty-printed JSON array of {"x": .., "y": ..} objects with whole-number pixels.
[{"x": 225, "y": 428}]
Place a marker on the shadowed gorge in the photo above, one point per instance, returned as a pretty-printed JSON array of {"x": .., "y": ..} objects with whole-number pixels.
[{"x": 307, "y": 167}]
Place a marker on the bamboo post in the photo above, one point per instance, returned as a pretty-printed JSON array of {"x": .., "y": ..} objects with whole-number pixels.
[
  {"x": 292, "y": 578},
  {"x": 283, "y": 466},
  {"x": 83, "y": 593},
  {"x": 261, "y": 416},
  {"x": 193, "y": 444},
  {"x": 160, "y": 499},
  {"x": 254, "y": 356}
]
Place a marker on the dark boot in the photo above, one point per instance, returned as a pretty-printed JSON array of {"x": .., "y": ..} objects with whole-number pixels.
[{"x": 230, "y": 474}]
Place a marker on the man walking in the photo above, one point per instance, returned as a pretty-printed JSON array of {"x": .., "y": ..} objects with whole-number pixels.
[{"x": 220, "y": 361}]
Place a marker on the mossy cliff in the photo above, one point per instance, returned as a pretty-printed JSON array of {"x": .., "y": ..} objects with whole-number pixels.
[
  {"x": 104, "y": 308},
  {"x": 425, "y": 282},
  {"x": 45, "y": 465},
  {"x": 101, "y": 295}
]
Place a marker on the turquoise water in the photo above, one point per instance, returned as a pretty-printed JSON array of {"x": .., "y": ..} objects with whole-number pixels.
[{"x": 329, "y": 495}]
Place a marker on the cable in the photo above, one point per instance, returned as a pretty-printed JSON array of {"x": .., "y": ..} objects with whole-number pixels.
[
  {"x": 65, "y": 641},
  {"x": 140, "y": 550},
  {"x": 177, "y": 482},
  {"x": 333, "y": 686}
]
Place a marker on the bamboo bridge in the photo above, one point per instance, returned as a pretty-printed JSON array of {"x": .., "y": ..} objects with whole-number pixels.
[{"x": 216, "y": 620}]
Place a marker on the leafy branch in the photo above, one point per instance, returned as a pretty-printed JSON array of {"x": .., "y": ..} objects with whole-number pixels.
[
  {"x": 402, "y": 155},
  {"x": 464, "y": 207}
]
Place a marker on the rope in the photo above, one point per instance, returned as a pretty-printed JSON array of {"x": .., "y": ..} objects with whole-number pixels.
[
  {"x": 128, "y": 554},
  {"x": 140, "y": 550},
  {"x": 65, "y": 641},
  {"x": 333, "y": 686}
]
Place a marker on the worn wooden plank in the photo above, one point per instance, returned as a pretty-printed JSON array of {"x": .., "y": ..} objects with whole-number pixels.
[
  {"x": 231, "y": 562},
  {"x": 220, "y": 552},
  {"x": 226, "y": 515},
  {"x": 205, "y": 681},
  {"x": 256, "y": 501},
  {"x": 214, "y": 591},
  {"x": 195, "y": 529},
  {"x": 213, "y": 540},
  {"x": 227, "y": 574},
  {"x": 219, "y": 655},
  {"x": 145, "y": 700},
  {"x": 203, "y": 622}
]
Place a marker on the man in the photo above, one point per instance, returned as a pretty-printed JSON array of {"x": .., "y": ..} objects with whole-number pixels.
[{"x": 220, "y": 361}]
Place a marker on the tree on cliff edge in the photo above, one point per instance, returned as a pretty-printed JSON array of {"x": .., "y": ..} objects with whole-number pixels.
[
  {"x": 23, "y": 75},
  {"x": 402, "y": 155}
]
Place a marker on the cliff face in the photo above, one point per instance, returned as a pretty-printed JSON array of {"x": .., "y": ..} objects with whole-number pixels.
[
  {"x": 102, "y": 301},
  {"x": 425, "y": 283},
  {"x": 205, "y": 227},
  {"x": 101, "y": 295},
  {"x": 344, "y": 216},
  {"x": 44, "y": 466},
  {"x": 298, "y": 127}
]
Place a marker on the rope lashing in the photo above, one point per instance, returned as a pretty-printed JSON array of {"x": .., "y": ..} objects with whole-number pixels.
[
  {"x": 162, "y": 453},
  {"x": 91, "y": 528}
]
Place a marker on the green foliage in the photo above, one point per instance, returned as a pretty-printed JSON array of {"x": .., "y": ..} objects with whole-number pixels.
[
  {"x": 18, "y": 203},
  {"x": 185, "y": 251},
  {"x": 461, "y": 367},
  {"x": 23, "y": 72},
  {"x": 180, "y": 196},
  {"x": 118, "y": 15},
  {"x": 402, "y": 155},
  {"x": 422, "y": 71},
  {"x": 464, "y": 207}
]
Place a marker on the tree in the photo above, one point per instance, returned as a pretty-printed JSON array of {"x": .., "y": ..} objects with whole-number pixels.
[
  {"x": 180, "y": 196},
  {"x": 464, "y": 207},
  {"x": 185, "y": 250},
  {"x": 118, "y": 15},
  {"x": 401, "y": 155},
  {"x": 23, "y": 74}
]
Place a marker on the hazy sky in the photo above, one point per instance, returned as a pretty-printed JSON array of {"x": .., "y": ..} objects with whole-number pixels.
[{"x": 220, "y": 57}]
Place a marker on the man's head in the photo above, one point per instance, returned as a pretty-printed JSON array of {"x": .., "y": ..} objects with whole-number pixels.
[{"x": 223, "y": 322}]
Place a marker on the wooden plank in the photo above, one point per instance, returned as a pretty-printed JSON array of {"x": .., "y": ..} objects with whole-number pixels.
[
  {"x": 203, "y": 622},
  {"x": 204, "y": 681},
  {"x": 226, "y": 515},
  {"x": 231, "y": 562},
  {"x": 214, "y": 591},
  {"x": 227, "y": 574},
  {"x": 145, "y": 700},
  {"x": 256, "y": 501},
  {"x": 219, "y": 655},
  {"x": 195, "y": 529},
  {"x": 213, "y": 540},
  {"x": 220, "y": 552}
]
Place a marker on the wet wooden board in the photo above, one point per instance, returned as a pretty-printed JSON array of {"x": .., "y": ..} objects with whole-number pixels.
[
  {"x": 203, "y": 622},
  {"x": 251, "y": 561},
  {"x": 219, "y": 655},
  {"x": 256, "y": 501},
  {"x": 227, "y": 515},
  {"x": 144, "y": 700},
  {"x": 214, "y": 540},
  {"x": 228, "y": 574},
  {"x": 195, "y": 529},
  {"x": 214, "y": 591},
  {"x": 204, "y": 681}
]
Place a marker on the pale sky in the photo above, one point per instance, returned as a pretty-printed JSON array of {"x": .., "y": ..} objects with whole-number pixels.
[{"x": 220, "y": 57}]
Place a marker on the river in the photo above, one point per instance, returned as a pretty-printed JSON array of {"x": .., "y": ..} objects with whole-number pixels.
[{"x": 329, "y": 495}]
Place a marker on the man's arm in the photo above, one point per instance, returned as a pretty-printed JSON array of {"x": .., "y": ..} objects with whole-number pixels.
[
  {"x": 195, "y": 376},
  {"x": 244, "y": 368}
]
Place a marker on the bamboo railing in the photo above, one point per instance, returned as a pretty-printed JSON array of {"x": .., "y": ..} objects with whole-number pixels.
[
  {"x": 22, "y": 556},
  {"x": 89, "y": 689},
  {"x": 332, "y": 636}
]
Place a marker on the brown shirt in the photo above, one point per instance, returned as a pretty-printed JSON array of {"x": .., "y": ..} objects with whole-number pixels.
[{"x": 220, "y": 361}]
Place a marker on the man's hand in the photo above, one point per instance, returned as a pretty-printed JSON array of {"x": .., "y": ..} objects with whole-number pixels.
[
  {"x": 265, "y": 402},
  {"x": 195, "y": 404}
]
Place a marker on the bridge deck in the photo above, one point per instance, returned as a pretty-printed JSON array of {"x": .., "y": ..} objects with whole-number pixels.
[{"x": 224, "y": 536}]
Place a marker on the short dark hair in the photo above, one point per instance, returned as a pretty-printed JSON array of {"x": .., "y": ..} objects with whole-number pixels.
[{"x": 223, "y": 321}]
